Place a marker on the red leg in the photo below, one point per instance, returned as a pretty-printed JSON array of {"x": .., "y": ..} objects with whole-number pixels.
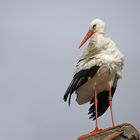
[
  {"x": 96, "y": 130},
  {"x": 110, "y": 104},
  {"x": 96, "y": 107}
]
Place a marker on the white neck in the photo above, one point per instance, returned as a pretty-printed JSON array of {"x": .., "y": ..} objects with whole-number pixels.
[{"x": 97, "y": 35}]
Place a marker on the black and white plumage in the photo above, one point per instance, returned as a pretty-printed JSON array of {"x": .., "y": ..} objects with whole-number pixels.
[{"x": 101, "y": 63}]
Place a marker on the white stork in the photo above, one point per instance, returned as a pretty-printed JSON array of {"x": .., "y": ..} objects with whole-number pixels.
[{"x": 97, "y": 72}]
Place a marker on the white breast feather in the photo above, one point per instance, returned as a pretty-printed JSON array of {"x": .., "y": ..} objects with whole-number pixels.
[{"x": 101, "y": 52}]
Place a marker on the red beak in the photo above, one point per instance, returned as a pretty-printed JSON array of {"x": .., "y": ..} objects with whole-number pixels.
[{"x": 88, "y": 35}]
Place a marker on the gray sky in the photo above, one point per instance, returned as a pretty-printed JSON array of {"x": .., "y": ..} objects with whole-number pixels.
[{"x": 38, "y": 51}]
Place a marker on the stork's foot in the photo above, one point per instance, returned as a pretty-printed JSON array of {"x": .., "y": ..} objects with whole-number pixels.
[{"x": 95, "y": 131}]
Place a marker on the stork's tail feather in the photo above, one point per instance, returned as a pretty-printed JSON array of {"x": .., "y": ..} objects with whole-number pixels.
[{"x": 103, "y": 104}]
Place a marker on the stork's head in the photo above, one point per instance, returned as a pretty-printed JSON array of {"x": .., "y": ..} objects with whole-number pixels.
[{"x": 95, "y": 26}]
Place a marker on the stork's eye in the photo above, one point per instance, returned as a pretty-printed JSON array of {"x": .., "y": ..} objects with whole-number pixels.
[{"x": 94, "y": 26}]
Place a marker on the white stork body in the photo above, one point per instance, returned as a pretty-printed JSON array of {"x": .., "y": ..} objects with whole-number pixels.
[
  {"x": 100, "y": 64},
  {"x": 101, "y": 51}
]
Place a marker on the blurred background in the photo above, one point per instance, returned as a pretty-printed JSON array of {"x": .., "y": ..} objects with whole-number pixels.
[{"x": 38, "y": 52}]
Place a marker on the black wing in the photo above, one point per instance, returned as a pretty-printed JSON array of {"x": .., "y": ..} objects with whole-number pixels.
[
  {"x": 103, "y": 103},
  {"x": 79, "y": 79}
]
